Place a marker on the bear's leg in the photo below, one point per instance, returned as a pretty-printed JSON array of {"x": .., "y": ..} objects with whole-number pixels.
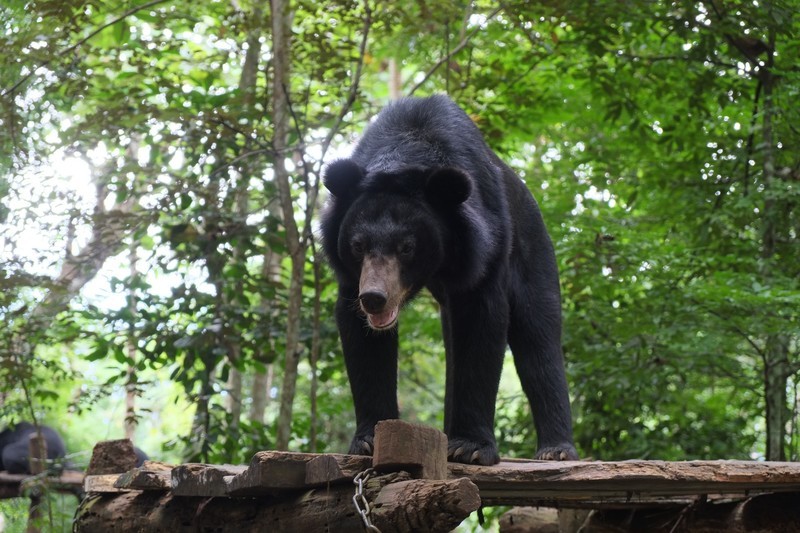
[
  {"x": 474, "y": 326},
  {"x": 535, "y": 340},
  {"x": 371, "y": 360}
]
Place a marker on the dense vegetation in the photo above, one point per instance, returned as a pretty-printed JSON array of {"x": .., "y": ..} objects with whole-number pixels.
[{"x": 160, "y": 171}]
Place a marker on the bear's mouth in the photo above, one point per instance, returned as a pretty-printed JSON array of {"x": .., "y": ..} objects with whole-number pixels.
[{"x": 384, "y": 320}]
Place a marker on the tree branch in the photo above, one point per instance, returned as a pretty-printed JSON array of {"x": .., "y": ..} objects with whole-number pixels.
[
  {"x": 460, "y": 46},
  {"x": 353, "y": 93},
  {"x": 736, "y": 329},
  {"x": 83, "y": 41}
]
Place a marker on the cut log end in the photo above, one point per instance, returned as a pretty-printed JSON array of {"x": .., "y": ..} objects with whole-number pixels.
[{"x": 424, "y": 505}]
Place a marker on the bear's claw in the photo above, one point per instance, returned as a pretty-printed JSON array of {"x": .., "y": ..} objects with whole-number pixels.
[
  {"x": 562, "y": 452},
  {"x": 362, "y": 445},
  {"x": 469, "y": 452}
]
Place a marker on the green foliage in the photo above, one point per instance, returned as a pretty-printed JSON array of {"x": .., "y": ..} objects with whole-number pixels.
[
  {"x": 658, "y": 137},
  {"x": 56, "y": 513}
]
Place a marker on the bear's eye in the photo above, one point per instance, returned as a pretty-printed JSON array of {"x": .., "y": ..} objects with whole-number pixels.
[
  {"x": 358, "y": 247},
  {"x": 406, "y": 248}
]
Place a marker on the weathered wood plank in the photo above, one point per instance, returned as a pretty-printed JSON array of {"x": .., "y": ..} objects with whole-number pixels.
[
  {"x": 271, "y": 472},
  {"x": 102, "y": 483},
  {"x": 196, "y": 479},
  {"x": 150, "y": 476},
  {"x": 511, "y": 482},
  {"x": 331, "y": 468}
]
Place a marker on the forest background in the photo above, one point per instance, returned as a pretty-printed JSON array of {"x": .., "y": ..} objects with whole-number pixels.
[{"x": 160, "y": 165}]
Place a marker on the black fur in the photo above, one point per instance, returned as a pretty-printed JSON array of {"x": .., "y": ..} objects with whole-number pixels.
[
  {"x": 424, "y": 199},
  {"x": 14, "y": 450}
]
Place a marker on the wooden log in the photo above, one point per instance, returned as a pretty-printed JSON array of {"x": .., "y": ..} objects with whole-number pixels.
[
  {"x": 332, "y": 468},
  {"x": 203, "y": 480},
  {"x": 399, "y": 505},
  {"x": 764, "y": 513},
  {"x": 270, "y": 472},
  {"x": 411, "y": 505},
  {"x": 418, "y": 449},
  {"x": 317, "y": 510},
  {"x": 425, "y": 505},
  {"x": 112, "y": 457}
]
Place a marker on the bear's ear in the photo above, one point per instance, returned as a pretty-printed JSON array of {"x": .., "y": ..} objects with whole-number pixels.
[
  {"x": 448, "y": 187},
  {"x": 342, "y": 178}
]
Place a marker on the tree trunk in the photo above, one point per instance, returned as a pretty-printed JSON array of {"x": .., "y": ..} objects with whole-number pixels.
[
  {"x": 281, "y": 43},
  {"x": 395, "y": 80},
  {"x": 776, "y": 354},
  {"x": 131, "y": 380},
  {"x": 262, "y": 381},
  {"x": 315, "y": 351},
  {"x": 776, "y": 373},
  {"x": 297, "y": 241},
  {"x": 234, "y": 348},
  {"x": 259, "y": 397},
  {"x": 247, "y": 88}
]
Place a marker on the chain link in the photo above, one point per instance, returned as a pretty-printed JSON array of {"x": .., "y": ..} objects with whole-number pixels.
[{"x": 360, "y": 500}]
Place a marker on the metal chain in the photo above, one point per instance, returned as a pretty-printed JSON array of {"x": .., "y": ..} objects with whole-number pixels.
[{"x": 360, "y": 501}]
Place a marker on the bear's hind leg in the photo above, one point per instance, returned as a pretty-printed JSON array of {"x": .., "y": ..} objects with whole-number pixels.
[{"x": 535, "y": 340}]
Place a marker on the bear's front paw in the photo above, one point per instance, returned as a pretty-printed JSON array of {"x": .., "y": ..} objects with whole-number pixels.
[
  {"x": 562, "y": 452},
  {"x": 470, "y": 452},
  {"x": 362, "y": 445}
]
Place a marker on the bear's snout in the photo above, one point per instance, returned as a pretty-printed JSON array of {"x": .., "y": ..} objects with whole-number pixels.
[
  {"x": 380, "y": 291},
  {"x": 373, "y": 301}
]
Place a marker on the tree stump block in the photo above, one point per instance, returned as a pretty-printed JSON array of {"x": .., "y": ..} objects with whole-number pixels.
[
  {"x": 420, "y": 450},
  {"x": 112, "y": 457}
]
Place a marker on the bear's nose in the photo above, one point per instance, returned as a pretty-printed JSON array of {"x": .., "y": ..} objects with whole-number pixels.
[{"x": 373, "y": 301}]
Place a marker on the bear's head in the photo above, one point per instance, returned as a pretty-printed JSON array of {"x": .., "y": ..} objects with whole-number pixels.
[{"x": 390, "y": 232}]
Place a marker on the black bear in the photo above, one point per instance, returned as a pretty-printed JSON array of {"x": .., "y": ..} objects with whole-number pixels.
[
  {"x": 14, "y": 448},
  {"x": 424, "y": 202},
  {"x": 141, "y": 456}
]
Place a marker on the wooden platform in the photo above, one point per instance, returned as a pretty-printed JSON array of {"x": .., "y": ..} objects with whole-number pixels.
[
  {"x": 286, "y": 480},
  {"x": 14, "y": 485},
  {"x": 512, "y": 482},
  {"x": 315, "y": 491}
]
